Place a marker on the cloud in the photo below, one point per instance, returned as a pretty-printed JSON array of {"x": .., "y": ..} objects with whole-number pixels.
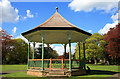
[
  {"x": 116, "y": 17},
  {"x": 28, "y": 15},
  {"x": 24, "y": 17},
  {"x": 90, "y": 31},
  {"x": 7, "y": 12},
  {"x": 60, "y": 48},
  {"x": 107, "y": 27},
  {"x": 89, "y": 5},
  {"x": 0, "y": 28},
  {"x": 105, "y": 5},
  {"x": 72, "y": 47},
  {"x": 37, "y": 45},
  {"x": 52, "y": 45},
  {"x": 14, "y": 30},
  {"x": 0, "y": 15},
  {"x": 22, "y": 38}
]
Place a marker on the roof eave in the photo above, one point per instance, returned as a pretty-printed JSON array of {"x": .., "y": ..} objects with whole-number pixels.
[{"x": 57, "y": 28}]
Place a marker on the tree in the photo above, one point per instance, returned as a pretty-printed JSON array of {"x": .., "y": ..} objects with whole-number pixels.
[
  {"x": 14, "y": 51},
  {"x": 6, "y": 41},
  {"x": 103, "y": 53},
  {"x": 54, "y": 54},
  {"x": 113, "y": 40},
  {"x": 94, "y": 48},
  {"x": 19, "y": 52},
  {"x": 48, "y": 53}
]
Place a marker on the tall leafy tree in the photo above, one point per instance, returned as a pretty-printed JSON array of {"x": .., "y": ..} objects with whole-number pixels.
[
  {"x": 94, "y": 48},
  {"x": 6, "y": 41},
  {"x": 48, "y": 53},
  {"x": 19, "y": 52},
  {"x": 113, "y": 40},
  {"x": 54, "y": 54},
  {"x": 14, "y": 51}
]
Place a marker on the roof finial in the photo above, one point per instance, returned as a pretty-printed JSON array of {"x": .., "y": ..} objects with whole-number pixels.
[{"x": 56, "y": 9}]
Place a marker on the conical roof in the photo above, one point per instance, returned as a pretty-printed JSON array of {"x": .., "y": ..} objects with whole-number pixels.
[
  {"x": 56, "y": 20},
  {"x": 56, "y": 30}
]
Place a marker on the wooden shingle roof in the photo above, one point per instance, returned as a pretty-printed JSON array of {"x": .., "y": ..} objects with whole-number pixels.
[
  {"x": 56, "y": 30},
  {"x": 56, "y": 20}
]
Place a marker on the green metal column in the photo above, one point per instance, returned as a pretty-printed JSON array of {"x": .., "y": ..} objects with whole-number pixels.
[
  {"x": 84, "y": 54},
  {"x": 33, "y": 49},
  {"x": 42, "y": 53},
  {"x": 48, "y": 48},
  {"x": 65, "y": 51},
  {"x": 70, "y": 62},
  {"x": 79, "y": 55},
  {"x": 28, "y": 54},
  {"x": 65, "y": 54}
]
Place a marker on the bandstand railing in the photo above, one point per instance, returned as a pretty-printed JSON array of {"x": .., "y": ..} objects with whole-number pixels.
[{"x": 52, "y": 64}]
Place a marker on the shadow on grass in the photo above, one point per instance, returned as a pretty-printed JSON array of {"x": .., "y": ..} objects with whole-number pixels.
[
  {"x": 101, "y": 75},
  {"x": 4, "y": 73},
  {"x": 101, "y": 72}
]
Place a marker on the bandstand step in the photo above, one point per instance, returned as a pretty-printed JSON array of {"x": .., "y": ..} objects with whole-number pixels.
[
  {"x": 56, "y": 73},
  {"x": 57, "y": 76}
]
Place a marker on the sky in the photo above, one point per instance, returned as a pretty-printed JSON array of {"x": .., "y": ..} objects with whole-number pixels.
[{"x": 90, "y": 15}]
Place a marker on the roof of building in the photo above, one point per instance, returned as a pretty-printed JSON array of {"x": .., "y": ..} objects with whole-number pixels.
[
  {"x": 56, "y": 25},
  {"x": 56, "y": 20}
]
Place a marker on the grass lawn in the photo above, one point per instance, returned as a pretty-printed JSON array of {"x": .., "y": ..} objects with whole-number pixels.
[
  {"x": 98, "y": 71},
  {"x": 17, "y": 74},
  {"x": 113, "y": 68},
  {"x": 13, "y": 67},
  {"x": 25, "y": 76},
  {"x": 21, "y": 75}
]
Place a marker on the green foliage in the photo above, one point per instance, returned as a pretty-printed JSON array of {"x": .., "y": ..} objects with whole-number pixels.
[
  {"x": 21, "y": 50},
  {"x": 14, "y": 51},
  {"x": 6, "y": 45},
  {"x": 48, "y": 53},
  {"x": 55, "y": 54},
  {"x": 94, "y": 47},
  {"x": 17, "y": 53}
]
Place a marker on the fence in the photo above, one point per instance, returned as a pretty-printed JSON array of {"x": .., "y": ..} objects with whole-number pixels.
[{"x": 52, "y": 64}]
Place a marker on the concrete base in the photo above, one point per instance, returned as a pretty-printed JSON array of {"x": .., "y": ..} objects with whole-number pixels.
[
  {"x": 77, "y": 72},
  {"x": 74, "y": 72},
  {"x": 38, "y": 73}
]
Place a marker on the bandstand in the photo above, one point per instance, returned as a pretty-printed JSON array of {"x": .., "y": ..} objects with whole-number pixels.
[{"x": 56, "y": 30}]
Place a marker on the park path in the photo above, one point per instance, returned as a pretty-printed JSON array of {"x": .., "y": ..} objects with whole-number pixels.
[{"x": 115, "y": 76}]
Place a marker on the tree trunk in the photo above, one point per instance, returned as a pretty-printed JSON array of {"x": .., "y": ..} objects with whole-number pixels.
[
  {"x": 104, "y": 60},
  {"x": 115, "y": 60},
  {"x": 95, "y": 61}
]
